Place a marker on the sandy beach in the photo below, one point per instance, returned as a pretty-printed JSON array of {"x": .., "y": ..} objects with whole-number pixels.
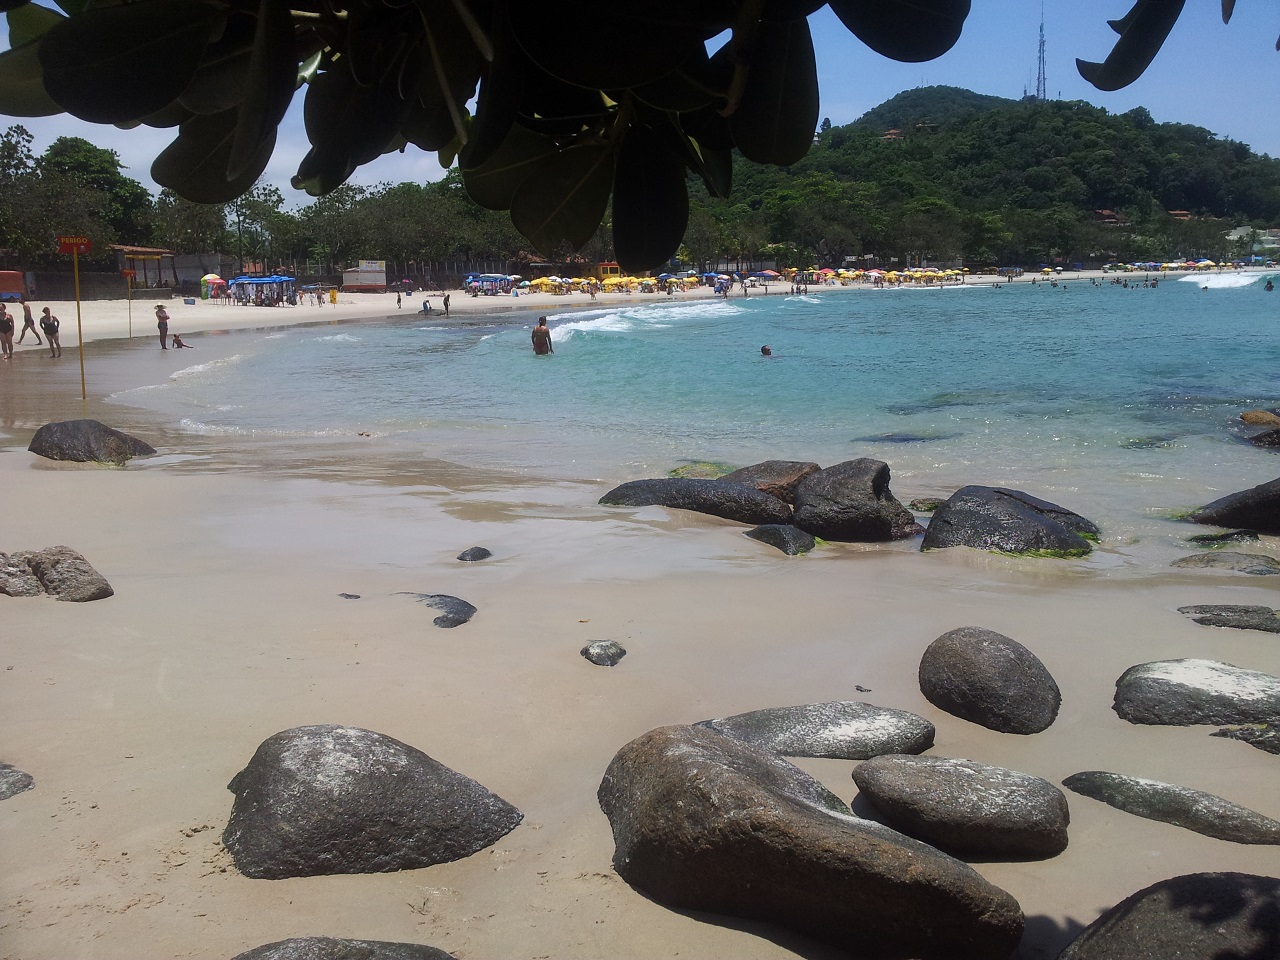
[{"x": 133, "y": 713}]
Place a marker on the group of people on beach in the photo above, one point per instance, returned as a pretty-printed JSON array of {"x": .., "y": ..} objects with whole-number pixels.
[{"x": 48, "y": 323}]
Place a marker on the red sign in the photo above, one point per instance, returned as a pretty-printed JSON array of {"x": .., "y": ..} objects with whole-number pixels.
[
  {"x": 74, "y": 245},
  {"x": 128, "y": 274}
]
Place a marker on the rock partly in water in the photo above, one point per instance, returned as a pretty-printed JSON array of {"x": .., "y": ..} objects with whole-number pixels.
[
  {"x": 1260, "y": 418},
  {"x": 87, "y": 441},
  {"x": 604, "y": 653},
  {"x": 778, "y": 478},
  {"x": 1268, "y": 438},
  {"x": 702, "y": 822},
  {"x": 472, "y": 554},
  {"x": 13, "y": 781},
  {"x": 1257, "y": 564},
  {"x": 61, "y": 572},
  {"x": 328, "y": 948},
  {"x": 838, "y": 730},
  {"x": 926, "y": 504},
  {"x": 1185, "y": 692},
  {"x": 1264, "y": 736},
  {"x": 852, "y": 502},
  {"x": 1181, "y": 806},
  {"x": 790, "y": 540},
  {"x": 328, "y": 799},
  {"x": 1257, "y": 508},
  {"x": 967, "y": 809},
  {"x": 732, "y": 501},
  {"x": 984, "y": 677},
  {"x": 1213, "y": 540},
  {"x": 701, "y": 470},
  {"x": 1238, "y": 616},
  {"x": 1199, "y": 916},
  {"x": 1008, "y": 521},
  {"x": 453, "y": 611}
]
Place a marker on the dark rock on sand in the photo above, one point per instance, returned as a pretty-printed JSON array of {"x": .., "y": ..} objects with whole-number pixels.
[
  {"x": 328, "y": 799},
  {"x": 87, "y": 441},
  {"x": 61, "y": 572},
  {"x": 1184, "y": 692},
  {"x": 327, "y": 948},
  {"x": 778, "y": 478},
  {"x": 926, "y": 504},
  {"x": 702, "y": 822},
  {"x": 349, "y": 596},
  {"x": 1199, "y": 916},
  {"x": 604, "y": 653},
  {"x": 1257, "y": 564},
  {"x": 1212, "y": 540},
  {"x": 984, "y": 677},
  {"x": 1257, "y": 508},
  {"x": 967, "y": 809},
  {"x": 472, "y": 554},
  {"x": 839, "y": 730},
  {"x": 1238, "y": 616},
  {"x": 453, "y": 611},
  {"x": 1181, "y": 806},
  {"x": 852, "y": 502},
  {"x": 13, "y": 781},
  {"x": 1269, "y": 438},
  {"x": 1264, "y": 736},
  {"x": 1008, "y": 521},
  {"x": 790, "y": 540},
  {"x": 732, "y": 501}
]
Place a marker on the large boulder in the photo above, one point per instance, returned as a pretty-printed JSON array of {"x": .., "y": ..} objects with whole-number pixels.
[
  {"x": 852, "y": 502},
  {"x": 1008, "y": 521},
  {"x": 1196, "y": 810},
  {"x": 328, "y": 948},
  {"x": 87, "y": 441},
  {"x": 1260, "y": 418},
  {"x": 328, "y": 799},
  {"x": 702, "y": 822},
  {"x": 838, "y": 730},
  {"x": 17, "y": 578},
  {"x": 1257, "y": 508},
  {"x": 985, "y": 677},
  {"x": 732, "y": 501},
  {"x": 1257, "y": 564},
  {"x": 1236, "y": 615},
  {"x": 1183, "y": 692},
  {"x": 778, "y": 478},
  {"x": 61, "y": 572},
  {"x": 1199, "y": 916},
  {"x": 790, "y": 540},
  {"x": 967, "y": 809}
]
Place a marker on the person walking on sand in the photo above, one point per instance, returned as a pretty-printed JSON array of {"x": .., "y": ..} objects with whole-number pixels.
[
  {"x": 542, "y": 338},
  {"x": 162, "y": 324},
  {"x": 49, "y": 324},
  {"x": 28, "y": 322},
  {"x": 446, "y": 304},
  {"x": 397, "y": 299},
  {"x": 6, "y": 334}
]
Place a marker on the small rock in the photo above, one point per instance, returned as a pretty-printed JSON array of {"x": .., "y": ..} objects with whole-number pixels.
[
  {"x": 1260, "y": 418},
  {"x": 604, "y": 653},
  {"x": 1199, "y": 916},
  {"x": 778, "y": 478},
  {"x": 1219, "y": 539},
  {"x": 790, "y": 540},
  {"x": 65, "y": 574},
  {"x": 13, "y": 781},
  {"x": 327, "y": 948},
  {"x": 1008, "y": 521},
  {"x": 1264, "y": 736},
  {"x": 1258, "y": 564},
  {"x": 1185, "y": 692},
  {"x": 1181, "y": 806},
  {"x": 926, "y": 504},
  {"x": 349, "y": 596},
  {"x": 967, "y": 808},
  {"x": 454, "y": 612},
  {"x": 732, "y": 501},
  {"x": 840, "y": 729},
  {"x": 984, "y": 677},
  {"x": 472, "y": 554},
  {"x": 1257, "y": 508},
  {"x": 1239, "y": 616},
  {"x": 87, "y": 441}
]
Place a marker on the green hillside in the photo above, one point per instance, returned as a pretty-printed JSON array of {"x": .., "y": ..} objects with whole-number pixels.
[{"x": 928, "y": 105}]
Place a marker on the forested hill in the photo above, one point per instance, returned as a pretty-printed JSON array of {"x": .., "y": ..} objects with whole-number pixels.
[{"x": 1014, "y": 181}]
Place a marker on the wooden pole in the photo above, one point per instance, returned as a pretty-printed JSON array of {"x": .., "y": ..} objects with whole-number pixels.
[
  {"x": 75, "y": 266},
  {"x": 129, "y": 282}
]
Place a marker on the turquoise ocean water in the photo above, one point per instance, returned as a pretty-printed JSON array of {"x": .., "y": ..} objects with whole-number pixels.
[{"x": 1101, "y": 394}]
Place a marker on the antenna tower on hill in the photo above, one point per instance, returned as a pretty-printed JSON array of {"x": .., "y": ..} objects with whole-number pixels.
[{"x": 1040, "y": 80}]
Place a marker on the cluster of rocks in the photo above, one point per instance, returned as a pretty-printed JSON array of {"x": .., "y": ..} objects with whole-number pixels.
[{"x": 59, "y": 572}]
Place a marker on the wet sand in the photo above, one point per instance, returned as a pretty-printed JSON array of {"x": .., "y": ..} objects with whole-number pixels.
[{"x": 133, "y": 713}]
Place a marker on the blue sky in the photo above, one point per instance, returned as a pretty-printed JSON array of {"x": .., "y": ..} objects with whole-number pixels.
[{"x": 1222, "y": 77}]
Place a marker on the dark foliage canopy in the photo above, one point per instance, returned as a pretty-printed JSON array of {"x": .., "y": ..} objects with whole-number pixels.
[{"x": 560, "y": 127}]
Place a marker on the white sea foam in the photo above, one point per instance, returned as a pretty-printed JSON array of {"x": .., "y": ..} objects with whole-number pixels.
[
  {"x": 642, "y": 316},
  {"x": 208, "y": 367},
  {"x": 339, "y": 337},
  {"x": 1223, "y": 281}
]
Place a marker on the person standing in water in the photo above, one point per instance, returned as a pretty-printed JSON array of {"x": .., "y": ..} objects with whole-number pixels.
[
  {"x": 6, "y": 334},
  {"x": 542, "y": 338},
  {"x": 162, "y": 324},
  {"x": 49, "y": 324}
]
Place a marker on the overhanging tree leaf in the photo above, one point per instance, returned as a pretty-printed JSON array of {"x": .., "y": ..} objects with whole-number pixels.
[
  {"x": 907, "y": 30},
  {"x": 22, "y": 92},
  {"x": 650, "y": 200},
  {"x": 194, "y": 166},
  {"x": 273, "y": 76},
  {"x": 501, "y": 89},
  {"x": 564, "y": 198},
  {"x": 494, "y": 183},
  {"x": 1143, "y": 31},
  {"x": 6, "y": 5},
  {"x": 30, "y": 22},
  {"x": 223, "y": 75},
  {"x": 778, "y": 112},
  {"x": 109, "y": 64},
  {"x": 688, "y": 87}
]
